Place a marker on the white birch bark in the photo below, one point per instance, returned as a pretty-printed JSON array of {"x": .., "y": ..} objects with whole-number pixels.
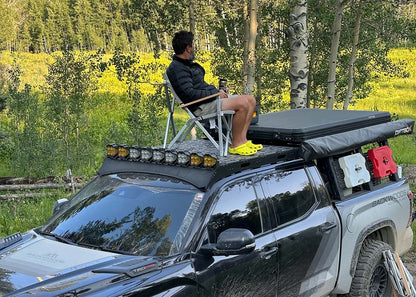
[
  {"x": 227, "y": 35},
  {"x": 336, "y": 32},
  {"x": 353, "y": 58},
  {"x": 298, "y": 72},
  {"x": 251, "y": 60}
]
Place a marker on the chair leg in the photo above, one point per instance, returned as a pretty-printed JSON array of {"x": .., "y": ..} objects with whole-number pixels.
[
  {"x": 220, "y": 136},
  {"x": 188, "y": 130},
  {"x": 171, "y": 107},
  {"x": 175, "y": 139},
  {"x": 223, "y": 139},
  {"x": 206, "y": 133},
  {"x": 167, "y": 131},
  {"x": 228, "y": 122}
]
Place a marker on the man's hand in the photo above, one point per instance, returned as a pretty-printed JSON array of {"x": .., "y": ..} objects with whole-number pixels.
[{"x": 223, "y": 94}]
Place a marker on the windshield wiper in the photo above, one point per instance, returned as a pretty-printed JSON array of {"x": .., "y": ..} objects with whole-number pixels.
[
  {"x": 58, "y": 237},
  {"x": 103, "y": 248},
  {"x": 89, "y": 245}
]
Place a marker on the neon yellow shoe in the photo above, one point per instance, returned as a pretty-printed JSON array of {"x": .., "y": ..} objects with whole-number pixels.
[
  {"x": 254, "y": 146},
  {"x": 243, "y": 150}
]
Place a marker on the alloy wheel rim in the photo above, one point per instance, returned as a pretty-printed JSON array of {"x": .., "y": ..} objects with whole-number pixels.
[{"x": 378, "y": 282}]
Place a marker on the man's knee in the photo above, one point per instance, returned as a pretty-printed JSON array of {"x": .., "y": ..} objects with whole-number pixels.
[
  {"x": 251, "y": 101},
  {"x": 242, "y": 102}
]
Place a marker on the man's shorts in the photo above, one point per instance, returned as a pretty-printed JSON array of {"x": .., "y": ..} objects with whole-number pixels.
[{"x": 207, "y": 108}]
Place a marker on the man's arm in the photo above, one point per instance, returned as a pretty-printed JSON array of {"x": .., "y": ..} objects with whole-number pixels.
[{"x": 200, "y": 100}]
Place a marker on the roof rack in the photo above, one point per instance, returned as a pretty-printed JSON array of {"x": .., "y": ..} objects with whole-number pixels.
[
  {"x": 205, "y": 168},
  {"x": 199, "y": 175}
]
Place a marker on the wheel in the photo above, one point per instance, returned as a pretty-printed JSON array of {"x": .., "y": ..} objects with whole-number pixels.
[{"x": 371, "y": 278}]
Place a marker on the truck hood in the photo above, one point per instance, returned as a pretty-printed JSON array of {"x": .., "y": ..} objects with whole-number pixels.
[{"x": 44, "y": 267}]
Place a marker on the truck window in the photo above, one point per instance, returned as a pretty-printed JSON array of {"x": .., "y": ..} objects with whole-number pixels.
[
  {"x": 291, "y": 194},
  {"x": 237, "y": 207},
  {"x": 131, "y": 213}
]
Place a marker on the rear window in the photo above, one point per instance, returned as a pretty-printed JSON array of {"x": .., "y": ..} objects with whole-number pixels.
[{"x": 291, "y": 194}]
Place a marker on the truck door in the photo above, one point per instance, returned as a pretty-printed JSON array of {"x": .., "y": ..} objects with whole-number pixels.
[
  {"x": 251, "y": 274},
  {"x": 307, "y": 231}
]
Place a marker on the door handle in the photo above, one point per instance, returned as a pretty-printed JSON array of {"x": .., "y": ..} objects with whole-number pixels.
[
  {"x": 327, "y": 227},
  {"x": 267, "y": 254}
]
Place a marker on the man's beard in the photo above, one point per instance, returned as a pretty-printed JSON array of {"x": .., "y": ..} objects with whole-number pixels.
[{"x": 192, "y": 55}]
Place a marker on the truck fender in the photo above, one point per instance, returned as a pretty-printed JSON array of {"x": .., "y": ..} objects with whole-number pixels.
[{"x": 368, "y": 231}]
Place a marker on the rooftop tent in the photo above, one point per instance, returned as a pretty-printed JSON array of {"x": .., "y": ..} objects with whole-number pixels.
[
  {"x": 297, "y": 125},
  {"x": 340, "y": 142}
]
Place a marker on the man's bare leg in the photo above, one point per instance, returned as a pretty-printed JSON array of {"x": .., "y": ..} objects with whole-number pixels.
[
  {"x": 244, "y": 108},
  {"x": 251, "y": 103}
]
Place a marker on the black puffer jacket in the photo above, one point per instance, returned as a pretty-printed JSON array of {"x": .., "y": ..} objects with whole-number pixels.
[{"x": 187, "y": 78}]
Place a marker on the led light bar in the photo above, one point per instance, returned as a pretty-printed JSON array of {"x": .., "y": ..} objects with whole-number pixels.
[
  {"x": 210, "y": 160},
  {"x": 135, "y": 153},
  {"x": 171, "y": 157},
  {"x": 197, "y": 159},
  {"x": 160, "y": 156},
  {"x": 123, "y": 151},
  {"x": 112, "y": 150},
  {"x": 184, "y": 158},
  {"x": 147, "y": 154}
]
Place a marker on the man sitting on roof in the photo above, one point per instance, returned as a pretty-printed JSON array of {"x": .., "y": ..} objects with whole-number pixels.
[{"x": 187, "y": 78}]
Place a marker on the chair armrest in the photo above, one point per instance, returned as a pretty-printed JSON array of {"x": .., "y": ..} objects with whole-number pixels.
[{"x": 199, "y": 100}]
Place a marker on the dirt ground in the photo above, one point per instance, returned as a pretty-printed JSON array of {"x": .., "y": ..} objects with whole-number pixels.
[{"x": 409, "y": 260}]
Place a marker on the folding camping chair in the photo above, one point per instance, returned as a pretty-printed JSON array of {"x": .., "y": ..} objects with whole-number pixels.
[{"x": 220, "y": 120}]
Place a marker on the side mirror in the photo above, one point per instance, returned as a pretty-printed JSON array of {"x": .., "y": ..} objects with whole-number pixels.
[
  {"x": 58, "y": 205},
  {"x": 233, "y": 241}
]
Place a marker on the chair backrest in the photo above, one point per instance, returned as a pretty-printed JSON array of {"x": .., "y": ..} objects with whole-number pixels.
[
  {"x": 172, "y": 90},
  {"x": 177, "y": 98}
]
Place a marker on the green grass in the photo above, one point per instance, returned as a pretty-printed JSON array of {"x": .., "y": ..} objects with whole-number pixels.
[
  {"x": 23, "y": 214},
  {"x": 397, "y": 96},
  {"x": 33, "y": 66}
]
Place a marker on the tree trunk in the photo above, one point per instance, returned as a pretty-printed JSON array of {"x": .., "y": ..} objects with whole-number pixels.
[
  {"x": 227, "y": 35},
  {"x": 353, "y": 58},
  {"x": 192, "y": 21},
  {"x": 259, "y": 75},
  {"x": 192, "y": 25},
  {"x": 245, "y": 53},
  {"x": 251, "y": 59},
  {"x": 336, "y": 32},
  {"x": 298, "y": 38}
]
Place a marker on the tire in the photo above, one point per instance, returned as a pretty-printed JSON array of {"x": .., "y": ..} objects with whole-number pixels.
[{"x": 371, "y": 277}]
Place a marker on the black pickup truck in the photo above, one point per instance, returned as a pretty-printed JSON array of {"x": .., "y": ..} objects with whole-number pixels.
[{"x": 299, "y": 218}]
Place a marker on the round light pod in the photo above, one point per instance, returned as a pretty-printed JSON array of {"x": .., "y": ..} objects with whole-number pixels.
[
  {"x": 197, "y": 159},
  {"x": 158, "y": 156},
  {"x": 112, "y": 150},
  {"x": 123, "y": 151},
  {"x": 171, "y": 157},
  {"x": 210, "y": 160},
  {"x": 135, "y": 153},
  {"x": 146, "y": 154},
  {"x": 184, "y": 158}
]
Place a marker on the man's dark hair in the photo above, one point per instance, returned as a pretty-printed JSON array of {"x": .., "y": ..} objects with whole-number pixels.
[{"x": 181, "y": 40}]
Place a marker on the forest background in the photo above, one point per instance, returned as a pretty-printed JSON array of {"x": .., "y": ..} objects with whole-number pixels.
[{"x": 78, "y": 74}]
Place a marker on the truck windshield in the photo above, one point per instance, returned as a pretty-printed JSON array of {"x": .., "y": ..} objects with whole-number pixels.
[{"x": 129, "y": 213}]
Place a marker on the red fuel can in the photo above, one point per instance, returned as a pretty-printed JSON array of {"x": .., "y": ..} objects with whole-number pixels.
[{"x": 382, "y": 159}]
